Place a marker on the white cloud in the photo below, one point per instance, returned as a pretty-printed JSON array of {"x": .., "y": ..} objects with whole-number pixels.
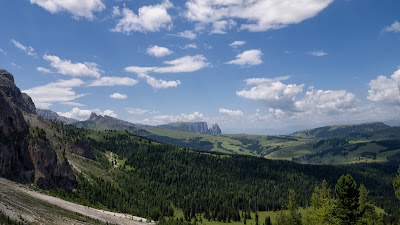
[
  {"x": 55, "y": 92},
  {"x": 385, "y": 90},
  {"x": 272, "y": 92},
  {"x": 116, "y": 11},
  {"x": 180, "y": 65},
  {"x": 317, "y": 53},
  {"x": 136, "y": 111},
  {"x": 78, "y": 8},
  {"x": 221, "y": 27},
  {"x": 158, "y": 51},
  {"x": 44, "y": 70},
  {"x": 28, "y": 49},
  {"x": 327, "y": 101},
  {"x": 150, "y": 18},
  {"x": 192, "y": 45},
  {"x": 230, "y": 112},
  {"x": 83, "y": 114},
  {"x": 72, "y": 103},
  {"x": 164, "y": 119},
  {"x": 66, "y": 67},
  {"x": 187, "y": 34},
  {"x": 250, "y": 57},
  {"x": 113, "y": 81},
  {"x": 158, "y": 83},
  {"x": 257, "y": 15},
  {"x": 395, "y": 27},
  {"x": 2, "y": 51},
  {"x": 237, "y": 43},
  {"x": 118, "y": 96}
]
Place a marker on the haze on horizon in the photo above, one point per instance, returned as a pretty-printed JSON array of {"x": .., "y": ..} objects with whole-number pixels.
[{"x": 265, "y": 67}]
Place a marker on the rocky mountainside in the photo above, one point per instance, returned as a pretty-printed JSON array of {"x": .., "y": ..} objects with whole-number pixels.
[
  {"x": 48, "y": 114},
  {"x": 98, "y": 122},
  {"x": 196, "y": 127},
  {"x": 26, "y": 155},
  {"x": 341, "y": 130}
]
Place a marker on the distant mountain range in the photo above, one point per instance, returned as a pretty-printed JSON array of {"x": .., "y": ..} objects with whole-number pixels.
[
  {"x": 48, "y": 114},
  {"x": 193, "y": 127},
  {"x": 341, "y": 130}
]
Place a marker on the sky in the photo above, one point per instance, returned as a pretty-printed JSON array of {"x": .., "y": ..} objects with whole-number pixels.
[{"x": 252, "y": 66}]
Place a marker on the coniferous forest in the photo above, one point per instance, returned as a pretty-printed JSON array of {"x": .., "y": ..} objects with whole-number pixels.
[{"x": 157, "y": 180}]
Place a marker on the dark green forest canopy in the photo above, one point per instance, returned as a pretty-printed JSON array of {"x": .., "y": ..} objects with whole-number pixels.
[{"x": 158, "y": 178}]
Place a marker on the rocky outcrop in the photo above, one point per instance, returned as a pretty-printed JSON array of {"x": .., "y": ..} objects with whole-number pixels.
[
  {"x": 195, "y": 127},
  {"x": 21, "y": 100},
  {"x": 82, "y": 148},
  {"x": 215, "y": 129},
  {"x": 15, "y": 161},
  {"x": 48, "y": 114},
  {"x": 26, "y": 156}
]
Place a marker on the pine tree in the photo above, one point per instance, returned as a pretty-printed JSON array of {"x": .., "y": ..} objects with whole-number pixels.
[
  {"x": 322, "y": 207},
  {"x": 347, "y": 202},
  {"x": 396, "y": 184}
]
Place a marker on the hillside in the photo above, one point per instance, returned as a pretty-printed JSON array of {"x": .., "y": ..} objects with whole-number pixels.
[
  {"x": 341, "y": 130},
  {"x": 301, "y": 147}
]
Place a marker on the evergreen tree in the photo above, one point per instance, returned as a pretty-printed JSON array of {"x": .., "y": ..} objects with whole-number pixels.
[
  {"x": 396, "y": 184},
  {"x": 322, "y": 207},
  {"x": 347, "y": 200}
]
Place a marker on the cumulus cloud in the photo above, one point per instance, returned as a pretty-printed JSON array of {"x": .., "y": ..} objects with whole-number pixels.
[
  {"x": 272, "y": 92},
  {"x": 66, "y": 67},
  {"x": 44, "y": 70},
  {"x": 395, "y": 27},
  {"x": 180, "y": 65},
  {"x": 118, "y": 96},
  {"x": 229, "y": 112},
  {"x": 317, "y": 53},
  {"x": 283, "y": 99},
  {"x": 186, "y": 34},
  {"x": 158, "y": 51},
  {"x": 250, "y": 57},
  {"x": 385, "y": 90},
  {"x": 221, "y": 27},
  {"x": 28, "y": 49},
  {"x": 327, "y": 101},
  {"x": 136, "y": 111},
  {"x": 78, "y": 8},
  {"x": 55, "y": 92},
  {"x": 235, "y": 44},
  {"x": 257, "y": 15},
  {"x": 164, "y": 119},
  {"x": 83, "y": 114},
  {"x": 158, "y": 83},
  {"x": 150, "y": 18},
  {"x": 192, "y": 45},
  {"x": 113, "y": 81}
]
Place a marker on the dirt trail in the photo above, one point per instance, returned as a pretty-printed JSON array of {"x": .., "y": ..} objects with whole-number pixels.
[{"x": 11, "y": 200}]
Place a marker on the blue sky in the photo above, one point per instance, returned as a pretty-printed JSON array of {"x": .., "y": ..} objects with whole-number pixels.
[{"x": 260, "y": 66}]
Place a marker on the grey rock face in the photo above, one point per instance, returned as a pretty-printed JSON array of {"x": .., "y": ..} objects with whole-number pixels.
[
  {"x": 21, "y": 100},
  {"x": 22, "y": 155},
  {"x": 48, "y": 114}
]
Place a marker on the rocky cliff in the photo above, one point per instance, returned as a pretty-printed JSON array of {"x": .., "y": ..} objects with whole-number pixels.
[
  {"x": 48, "y": 114},
  {"x": 194, "y": 127},
  {"x": 26, "y": 156}
]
